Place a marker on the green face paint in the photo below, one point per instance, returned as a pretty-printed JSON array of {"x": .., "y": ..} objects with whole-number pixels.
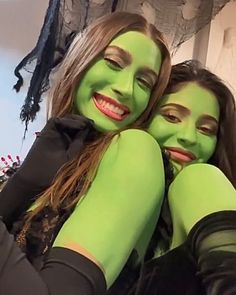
[
  {"x": 116, "y": 89},
  {"x": 186, "y": 125}
]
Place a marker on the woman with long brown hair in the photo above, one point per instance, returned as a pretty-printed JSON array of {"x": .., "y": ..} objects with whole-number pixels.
[
  {"x": 84, "y": 182},
  {"x": 195, "y": 125}
]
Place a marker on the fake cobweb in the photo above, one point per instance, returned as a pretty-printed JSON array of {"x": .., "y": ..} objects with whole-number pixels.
[{"x": 179, "y": 20}]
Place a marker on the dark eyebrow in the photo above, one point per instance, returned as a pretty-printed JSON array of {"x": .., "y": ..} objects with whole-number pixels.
[
  {"x": 179, "y": 107},
  {"x": 209, "y": 118},
  {"x": 126, "y": 56},
  {"x": 186, "y": 111},
  {"x": 153, "y": 75}
]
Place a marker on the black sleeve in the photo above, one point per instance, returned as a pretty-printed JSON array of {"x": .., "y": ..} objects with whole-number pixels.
[
  {"x": 60, "y": 141},
  {"x": 16, "y": 196},
  {"x": 65, "y": 272}
]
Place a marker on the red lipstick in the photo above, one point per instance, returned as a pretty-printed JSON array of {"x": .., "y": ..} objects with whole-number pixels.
[
  {"x": 110, "y": 107},
  {"x": 180, "y": 155}
]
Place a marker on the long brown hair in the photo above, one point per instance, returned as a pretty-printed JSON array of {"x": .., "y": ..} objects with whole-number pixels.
[
  {"x": 224, "y": 156},
  {"x": 85, "y": 48}
]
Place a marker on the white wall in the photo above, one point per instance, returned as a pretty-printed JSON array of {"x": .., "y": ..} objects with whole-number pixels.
[
  {"x": 20, "y": 24},
  {"x": 221, "y": 55},
  {"x": 220, "y": 45},
  {"x": 184, "y": 52}
]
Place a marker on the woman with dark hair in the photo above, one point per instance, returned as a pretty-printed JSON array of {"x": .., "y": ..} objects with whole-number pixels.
[
  {"x": 78, "y": 186},
  {"x": 191, "y": 71},
  {"x": 195, "y": 239}
]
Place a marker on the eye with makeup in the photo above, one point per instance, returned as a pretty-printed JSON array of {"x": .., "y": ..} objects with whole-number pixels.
[
  {"x": 116, "y": 58},
  {"x": 113, "y": 63},
  {"x": 208, "y": 130},
  {"x": 171, "y": 116},
  {"x": 144, "y": 82}
]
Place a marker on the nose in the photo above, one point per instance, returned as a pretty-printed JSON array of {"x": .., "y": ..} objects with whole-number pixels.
[
  {"x": 124, "y": 85},
  {"x": 187, "y": 135}
]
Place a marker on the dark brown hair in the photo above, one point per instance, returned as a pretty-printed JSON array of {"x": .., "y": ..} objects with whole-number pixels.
[{"x": 224, "y": 156}]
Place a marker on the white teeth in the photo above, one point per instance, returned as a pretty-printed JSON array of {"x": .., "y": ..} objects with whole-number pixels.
[
  {"x": 110, "y": 107},
  {"x": 113, "y": 108},
  {"x": 118, "y": 111}
]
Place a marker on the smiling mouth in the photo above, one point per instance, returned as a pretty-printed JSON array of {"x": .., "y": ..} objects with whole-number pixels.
[
  {"x": 181, "y": 156},
  {"x": 110, "y": 107}
]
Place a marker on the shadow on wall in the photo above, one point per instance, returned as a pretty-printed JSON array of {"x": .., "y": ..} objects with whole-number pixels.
[{"x": 19, "y": 20}]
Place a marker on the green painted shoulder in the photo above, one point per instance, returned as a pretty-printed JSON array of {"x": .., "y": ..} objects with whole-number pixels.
[
  {"x": 134, "y": 155},
  {"x": 136, "y": 144}
]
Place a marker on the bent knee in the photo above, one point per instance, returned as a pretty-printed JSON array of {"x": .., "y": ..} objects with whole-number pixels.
[
  {"x": 201, "y": 181},
  {"x": 199, "y": 171},
  {"x": 200, "y": 176},
  {"x": 198, "y": 190}
]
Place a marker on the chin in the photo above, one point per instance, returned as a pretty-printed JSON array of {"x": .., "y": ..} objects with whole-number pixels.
[{"x": 104, "y": 127}]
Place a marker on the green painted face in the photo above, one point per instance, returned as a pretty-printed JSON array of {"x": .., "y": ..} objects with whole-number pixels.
[
  {"x": 186, "y": 125},
  {"x": 116, "y": 89}
]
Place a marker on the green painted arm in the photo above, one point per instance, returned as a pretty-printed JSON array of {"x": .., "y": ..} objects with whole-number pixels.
[
  {"x": 146, "y": 235},
  {"x": 198, "y": 190},
  {"x": 127, "y": 190}
]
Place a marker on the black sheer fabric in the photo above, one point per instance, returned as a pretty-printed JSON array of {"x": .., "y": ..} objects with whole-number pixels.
[
  {"x": 213, "y": 243},
  {"x": 172, "y": 273},
  {"x": 65, "y": 17},
  {"x": 204, "y": 265},
  {"x": 64, "y": 272}
]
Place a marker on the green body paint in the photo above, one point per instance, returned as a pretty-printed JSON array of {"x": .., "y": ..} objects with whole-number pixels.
[
  {"x": 122, "y": 206},
  {"x": 198, "y": 190},
  {"x": 186, "y": 125},
  {"x": 116, "y": 89},
  {"x": 122, "y": 199}
]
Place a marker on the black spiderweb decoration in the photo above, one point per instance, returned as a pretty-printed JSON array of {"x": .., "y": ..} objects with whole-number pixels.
[{"x": 66, "y": 17}]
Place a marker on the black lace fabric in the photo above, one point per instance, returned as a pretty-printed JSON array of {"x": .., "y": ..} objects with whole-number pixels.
[
  {"x": 36, "y": 240},
  {"x": 179, "y": 20}
]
